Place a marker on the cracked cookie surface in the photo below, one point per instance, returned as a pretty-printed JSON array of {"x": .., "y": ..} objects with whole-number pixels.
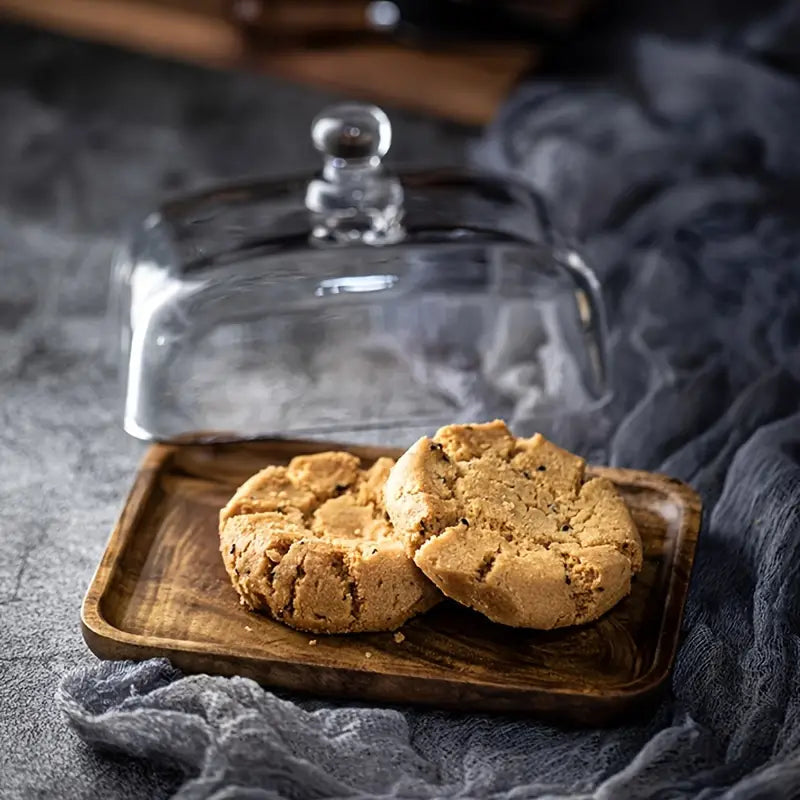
[
  {"x": 511, "y": 527},
  {"x": 311, "y": 544}
]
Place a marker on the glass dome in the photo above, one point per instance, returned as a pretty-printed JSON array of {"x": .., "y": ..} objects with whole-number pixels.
[{"x": 357, "y": 305}]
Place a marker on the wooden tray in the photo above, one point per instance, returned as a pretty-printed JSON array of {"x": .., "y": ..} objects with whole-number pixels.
[{"x": 161, "y": 590}]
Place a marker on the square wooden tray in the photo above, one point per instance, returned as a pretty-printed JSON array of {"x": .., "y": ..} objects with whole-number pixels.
[{"x": 161, "y": 590}]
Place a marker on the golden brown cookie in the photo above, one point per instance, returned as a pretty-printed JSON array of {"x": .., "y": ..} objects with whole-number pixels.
[
  {"x": 311, "y": 545},
  {"x": 511, "y": 528}
]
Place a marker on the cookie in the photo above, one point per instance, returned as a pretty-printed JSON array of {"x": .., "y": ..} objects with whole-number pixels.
[
  {"x": 311, "y": 545},
  {"x": 512, "y": 528}
]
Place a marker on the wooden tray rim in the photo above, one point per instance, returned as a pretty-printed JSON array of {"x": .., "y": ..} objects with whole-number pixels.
[{"x": 97, "y": 629}]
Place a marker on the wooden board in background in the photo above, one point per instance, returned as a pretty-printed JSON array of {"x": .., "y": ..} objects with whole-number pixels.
[
  {"x": 466, "y": 87},
  {"x": 161, "y": 590}
]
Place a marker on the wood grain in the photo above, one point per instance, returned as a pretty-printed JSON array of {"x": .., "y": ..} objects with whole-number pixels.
[{"x": 161, "y": 590}]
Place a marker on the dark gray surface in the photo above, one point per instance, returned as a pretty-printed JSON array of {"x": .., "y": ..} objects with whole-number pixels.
[{"x": 90, "y": 138}]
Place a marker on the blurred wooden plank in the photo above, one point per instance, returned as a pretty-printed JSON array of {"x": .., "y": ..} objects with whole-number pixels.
[
  {"x": 467, "y": 88},
  {"x": 464, "y": 87},
  {"x": 157, "y": 29}
]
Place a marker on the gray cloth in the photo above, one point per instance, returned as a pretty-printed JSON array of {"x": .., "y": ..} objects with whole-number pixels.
[{"x": 681, "y": 180}]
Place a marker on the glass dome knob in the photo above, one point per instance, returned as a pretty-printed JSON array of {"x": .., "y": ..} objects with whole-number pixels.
[
  {"x": 352, "y": 132},
  {"x": 354, "y": 199}
]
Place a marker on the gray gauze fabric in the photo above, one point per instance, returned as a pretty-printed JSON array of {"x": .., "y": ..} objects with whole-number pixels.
[{"x": 682, "y": 183}]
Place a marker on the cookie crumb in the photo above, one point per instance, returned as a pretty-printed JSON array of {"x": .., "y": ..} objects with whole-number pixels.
[
  {"x": 312, "y": 642},
  {"x": 248, "y": 628},
  {"x": 399, "y": 637},
  {"x": 368, "y": 654}
]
